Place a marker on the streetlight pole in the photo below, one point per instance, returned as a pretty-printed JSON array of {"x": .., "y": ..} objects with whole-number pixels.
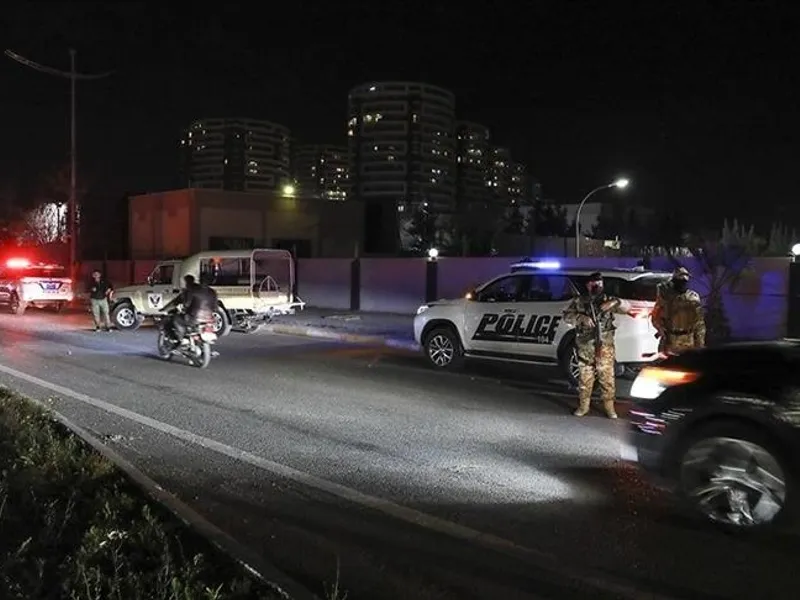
[
  {"x": 620, "y": 183},
  {"x": 72, "y": 206}
]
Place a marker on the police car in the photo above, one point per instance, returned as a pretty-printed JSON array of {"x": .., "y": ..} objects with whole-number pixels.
[
  {"x": 24, "y": 284},
  {"x": 518, "y": 317}
]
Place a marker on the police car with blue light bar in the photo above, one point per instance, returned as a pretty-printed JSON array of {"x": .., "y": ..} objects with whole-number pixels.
[
  {"x": 518, "y": 317},
  {"x": 42, "y": 285}
]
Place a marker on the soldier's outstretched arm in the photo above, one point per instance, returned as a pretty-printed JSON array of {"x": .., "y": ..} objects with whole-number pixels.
[{"x": 617, "y": 306}]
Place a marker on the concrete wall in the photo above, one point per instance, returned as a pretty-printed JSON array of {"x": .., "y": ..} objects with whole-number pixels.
[
  {"x": 181, "y": 222},
  {"x": 324, "y": 282},
  {"x": 756, "y": 306}
]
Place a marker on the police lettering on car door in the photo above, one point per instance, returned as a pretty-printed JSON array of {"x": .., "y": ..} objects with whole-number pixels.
[{"x": 526, "y": 329}]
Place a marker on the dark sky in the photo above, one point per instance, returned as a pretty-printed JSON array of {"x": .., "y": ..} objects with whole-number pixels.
[{"x": 698, "y": 106}]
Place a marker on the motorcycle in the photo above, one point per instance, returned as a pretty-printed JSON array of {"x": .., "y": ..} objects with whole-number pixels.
[{"x": 195, "y": 345}]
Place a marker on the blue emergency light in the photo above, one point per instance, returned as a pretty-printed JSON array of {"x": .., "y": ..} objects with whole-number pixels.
[{"x": 528, "y": 263}]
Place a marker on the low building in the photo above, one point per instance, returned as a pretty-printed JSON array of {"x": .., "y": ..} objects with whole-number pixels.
[{"x": 182, "y": 222}]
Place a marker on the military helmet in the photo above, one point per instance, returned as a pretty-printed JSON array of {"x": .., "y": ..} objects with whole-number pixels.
[{"x": 681, "y": 273}]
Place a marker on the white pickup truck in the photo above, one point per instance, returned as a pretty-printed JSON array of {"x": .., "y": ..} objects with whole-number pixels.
[{"x": 252, "y": 286}]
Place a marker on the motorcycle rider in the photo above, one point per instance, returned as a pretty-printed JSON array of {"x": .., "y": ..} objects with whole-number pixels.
[{"x": 199, "y": 301}]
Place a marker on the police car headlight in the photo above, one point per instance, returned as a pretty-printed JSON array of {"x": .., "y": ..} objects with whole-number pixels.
[{"x": 422, "y": 309}]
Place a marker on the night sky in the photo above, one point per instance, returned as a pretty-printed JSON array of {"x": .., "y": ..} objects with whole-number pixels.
[{"x": 698, "y": 106}]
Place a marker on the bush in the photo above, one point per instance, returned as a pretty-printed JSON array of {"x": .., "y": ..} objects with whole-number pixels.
[{"x": 73, "y": 527}]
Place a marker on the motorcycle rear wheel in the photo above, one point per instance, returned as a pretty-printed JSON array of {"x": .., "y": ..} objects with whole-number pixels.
[{"x": 204, "y": 359}]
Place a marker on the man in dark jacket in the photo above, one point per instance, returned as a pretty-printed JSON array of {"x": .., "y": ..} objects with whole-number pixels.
[
  {"x": 199, "y": 303},
  {"x": 100, "y": 291}
]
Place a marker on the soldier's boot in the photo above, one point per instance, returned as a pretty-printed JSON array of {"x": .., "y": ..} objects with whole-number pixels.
[
  {"x": 583, "y": 407},
  {"x": 611, "y": 412}
]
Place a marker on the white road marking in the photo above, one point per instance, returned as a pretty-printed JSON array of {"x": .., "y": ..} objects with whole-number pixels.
[{"x": 382, "y": 505}]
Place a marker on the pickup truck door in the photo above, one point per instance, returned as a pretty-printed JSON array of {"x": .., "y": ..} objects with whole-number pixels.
[{"x": 162, "y": 287}]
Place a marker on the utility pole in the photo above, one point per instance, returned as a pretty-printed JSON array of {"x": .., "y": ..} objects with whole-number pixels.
[{"x": 72, "y": 207}]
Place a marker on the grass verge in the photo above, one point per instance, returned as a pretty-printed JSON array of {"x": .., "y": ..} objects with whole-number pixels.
[{"x": 72, "y": 526}]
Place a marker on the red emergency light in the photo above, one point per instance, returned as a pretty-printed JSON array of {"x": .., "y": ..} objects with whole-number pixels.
[{"x": 18, "y": 263}]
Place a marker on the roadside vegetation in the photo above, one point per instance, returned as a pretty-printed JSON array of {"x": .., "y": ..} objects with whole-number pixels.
[{"x": 74, "y": 527}]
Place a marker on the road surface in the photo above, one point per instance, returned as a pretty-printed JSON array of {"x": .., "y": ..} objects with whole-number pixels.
[{"x": 408, "y": 483}]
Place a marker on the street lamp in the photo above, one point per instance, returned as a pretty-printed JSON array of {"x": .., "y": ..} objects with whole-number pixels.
[
  {"x": 619, "y": 184},
  {"x": 288, "y": 190},
  {"x": 433, "y": 253},
  {"x": 795, "y": 251},
  {"x": 73, "y": 76}
]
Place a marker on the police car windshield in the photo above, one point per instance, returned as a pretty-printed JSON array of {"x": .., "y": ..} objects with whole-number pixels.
[
  {"x": 41, "y": 272},
  {"x": 643, "y": 289}
]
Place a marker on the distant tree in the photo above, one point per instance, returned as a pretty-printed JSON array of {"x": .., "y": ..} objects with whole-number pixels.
[
  {"x": 45, "y": 224},
  {"x": 476, "y": 225},
  {"x": 420, "y": 229},
  {"x": 780, "y": 240},
  {"x": 514, "y": 222},
  {"x": 723, "y": 259},
  {"x": 548, "y": 220}
]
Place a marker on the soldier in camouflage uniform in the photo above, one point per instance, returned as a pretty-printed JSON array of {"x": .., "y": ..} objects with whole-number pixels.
[
  {"x": 592, "y": 315},
  {"x": 678, "y": 315}
]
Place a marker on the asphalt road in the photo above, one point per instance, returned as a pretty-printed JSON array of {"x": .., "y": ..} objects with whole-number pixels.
[{"x": 408, "y": 483}]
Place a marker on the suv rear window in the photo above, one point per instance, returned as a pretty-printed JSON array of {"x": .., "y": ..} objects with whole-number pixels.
[
  {"x": 640, "y": 289},
  {"x": 41, "y": 273}
]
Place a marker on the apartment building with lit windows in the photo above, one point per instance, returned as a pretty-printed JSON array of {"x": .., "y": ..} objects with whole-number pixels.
[
  {"x": 320, "y": 171},
  {"x": 473, "y": 158},
  {"x": 237, "y": 154}
]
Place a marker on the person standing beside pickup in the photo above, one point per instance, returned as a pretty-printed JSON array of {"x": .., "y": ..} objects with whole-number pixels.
[{"x": 100, "y": 291}]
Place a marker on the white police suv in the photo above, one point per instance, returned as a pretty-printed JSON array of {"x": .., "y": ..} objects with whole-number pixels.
[
  {"x": 24, "y": 284},
  {"x": 518, "y": 317}
]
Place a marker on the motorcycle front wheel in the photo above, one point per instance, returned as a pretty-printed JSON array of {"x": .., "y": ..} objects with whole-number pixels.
[{"x": 164, "y": 346}]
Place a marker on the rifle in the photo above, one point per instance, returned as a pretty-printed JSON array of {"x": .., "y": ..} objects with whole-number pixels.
[{"x": 597, "y": 334}]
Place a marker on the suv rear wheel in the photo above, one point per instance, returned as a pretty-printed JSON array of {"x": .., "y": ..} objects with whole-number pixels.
[
  {"x": 736, "y": 477},
  {"x": 443, "y": 348}
]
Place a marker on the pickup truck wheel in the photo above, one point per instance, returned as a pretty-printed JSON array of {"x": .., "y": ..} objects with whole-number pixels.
[
  {"x": 124, "y": 317},
  {"x": 222, "y": 323},
  {"x": 443, "y": 349}
]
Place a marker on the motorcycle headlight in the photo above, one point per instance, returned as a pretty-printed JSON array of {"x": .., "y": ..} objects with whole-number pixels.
[{"x": 422, "y": 309}]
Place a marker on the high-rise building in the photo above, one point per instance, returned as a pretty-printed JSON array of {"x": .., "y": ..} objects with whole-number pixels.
[
  {"x": 246, "y": 155},
  {"x": 499, "y": 174},
  {"x": 473, "y": 159},
  {"x": 321, "y": 171},
  {"x": 520, "y": 190},
  {"x": 402, "y": 151}
]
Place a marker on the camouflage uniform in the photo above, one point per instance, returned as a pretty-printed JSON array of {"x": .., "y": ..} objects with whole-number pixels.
[
  {"x": 678, "y": 315},
  {"x": 596, "y": 361}
]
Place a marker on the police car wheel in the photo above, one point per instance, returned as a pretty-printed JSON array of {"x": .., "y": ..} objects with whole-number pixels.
[
  {"x": 443, "y": 348},
  {"x": 568, "y": 361},
  {"x": 18, "y": 307}
]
